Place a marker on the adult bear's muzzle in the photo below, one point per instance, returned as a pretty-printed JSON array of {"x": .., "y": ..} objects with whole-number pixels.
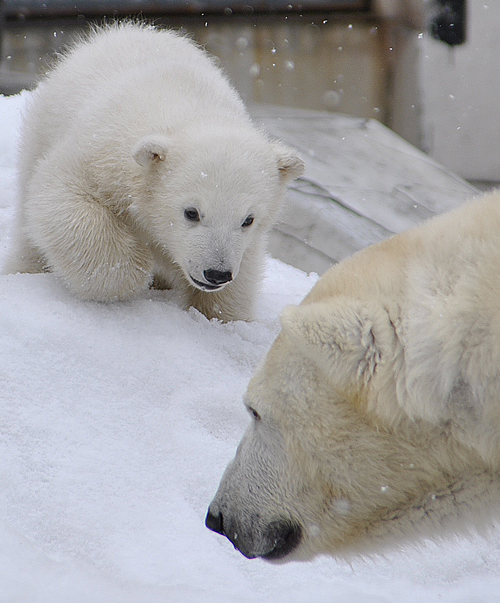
[{"x": 275, "y": 541}]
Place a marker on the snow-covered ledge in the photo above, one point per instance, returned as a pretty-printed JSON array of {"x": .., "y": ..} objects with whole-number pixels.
[{"x": 362, "y": 184}]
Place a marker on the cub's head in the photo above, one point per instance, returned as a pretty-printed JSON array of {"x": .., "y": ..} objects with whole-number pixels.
[
  {"x": 210, "y": 196},
  {"x": 318, "y": 471}
]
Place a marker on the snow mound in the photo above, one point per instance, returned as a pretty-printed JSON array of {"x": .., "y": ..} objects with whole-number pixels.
[{"x": 116, "y": 423}]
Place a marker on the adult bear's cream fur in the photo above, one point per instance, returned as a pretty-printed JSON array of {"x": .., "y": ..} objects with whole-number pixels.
[{"x": 376, "y": 414}]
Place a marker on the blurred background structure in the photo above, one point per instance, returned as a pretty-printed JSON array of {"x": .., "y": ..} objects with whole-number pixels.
[{"x": 426, "y": 68}]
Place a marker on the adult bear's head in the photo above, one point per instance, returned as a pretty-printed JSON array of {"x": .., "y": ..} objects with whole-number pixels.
[
  {"x": 211, "y": 195},
  {"x": 318, "y": 471}
]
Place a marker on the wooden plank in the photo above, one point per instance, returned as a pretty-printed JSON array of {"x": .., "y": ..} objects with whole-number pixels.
[
  {"x": 362, "y": 184},
  {"x": 36, "y": 8}
]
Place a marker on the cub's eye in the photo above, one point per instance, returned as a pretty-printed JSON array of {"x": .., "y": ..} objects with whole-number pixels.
[
  {"x": 248, "y": 221},
  {"x": 254, "y": 413},
  {"x": 191, "y": 214}
]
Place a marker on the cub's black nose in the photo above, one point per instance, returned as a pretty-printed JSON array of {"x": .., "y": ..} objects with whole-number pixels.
[
  {"x": 216, "y": 277},
  {"x": 214, "y": 522}
]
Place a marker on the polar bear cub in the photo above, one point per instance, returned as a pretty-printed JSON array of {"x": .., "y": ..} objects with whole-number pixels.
[{"x": 140, "y": 166}]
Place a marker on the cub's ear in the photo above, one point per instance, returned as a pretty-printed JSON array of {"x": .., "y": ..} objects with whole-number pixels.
[
  {"x": 289, "y": 165},
  {"x": 151, "y": 150},
  {"x": 346, "y": 338}
]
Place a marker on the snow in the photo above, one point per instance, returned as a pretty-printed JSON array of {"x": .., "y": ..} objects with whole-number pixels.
[{"x": 116, "y": 424}]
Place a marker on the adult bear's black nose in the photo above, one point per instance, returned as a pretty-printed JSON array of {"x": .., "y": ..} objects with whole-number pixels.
[
  {"x": 244, "y": 543},
  {"x": 214, "y": 522},
  {"x": 274, "y": 541},
  {"x": 217, "y": 277}
]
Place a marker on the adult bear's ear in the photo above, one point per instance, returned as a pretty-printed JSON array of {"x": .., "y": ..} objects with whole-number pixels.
[
  {"x": 289, "y": 165},
  {"x": 151, "y": 149},
  {"x": 346, "y": 338}
]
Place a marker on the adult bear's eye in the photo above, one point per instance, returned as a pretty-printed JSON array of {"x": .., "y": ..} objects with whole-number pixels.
[
  {"x": 248, "y": 221},
  {"x": 191, "y": 214},
  {"x": 254, "y": 413}
]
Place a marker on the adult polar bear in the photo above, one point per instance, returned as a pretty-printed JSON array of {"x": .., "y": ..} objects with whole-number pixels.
[
  {"x": 138, "y": 161},
  {"x": 376, "y": 415}
]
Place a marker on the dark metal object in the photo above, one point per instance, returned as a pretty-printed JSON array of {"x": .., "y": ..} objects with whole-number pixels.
[{"x": 449, "y": 22}]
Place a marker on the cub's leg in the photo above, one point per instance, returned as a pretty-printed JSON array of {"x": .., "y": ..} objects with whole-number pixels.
[{"x": 85, "y": 242}]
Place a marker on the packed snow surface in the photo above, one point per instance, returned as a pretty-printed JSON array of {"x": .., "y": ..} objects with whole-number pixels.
[{"x": 116, "y": 424}]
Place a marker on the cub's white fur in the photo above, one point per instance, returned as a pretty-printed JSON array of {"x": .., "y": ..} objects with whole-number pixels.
[
  {"x": 139, "y": 163},
  {"x": 378, "y": 406}
]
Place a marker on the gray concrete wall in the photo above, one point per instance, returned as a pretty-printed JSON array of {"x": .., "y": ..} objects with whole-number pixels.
[{"x": 445, "y": 99}]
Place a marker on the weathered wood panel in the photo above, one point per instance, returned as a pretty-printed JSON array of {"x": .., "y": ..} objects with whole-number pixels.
[{"x": 362, "y": 184}]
